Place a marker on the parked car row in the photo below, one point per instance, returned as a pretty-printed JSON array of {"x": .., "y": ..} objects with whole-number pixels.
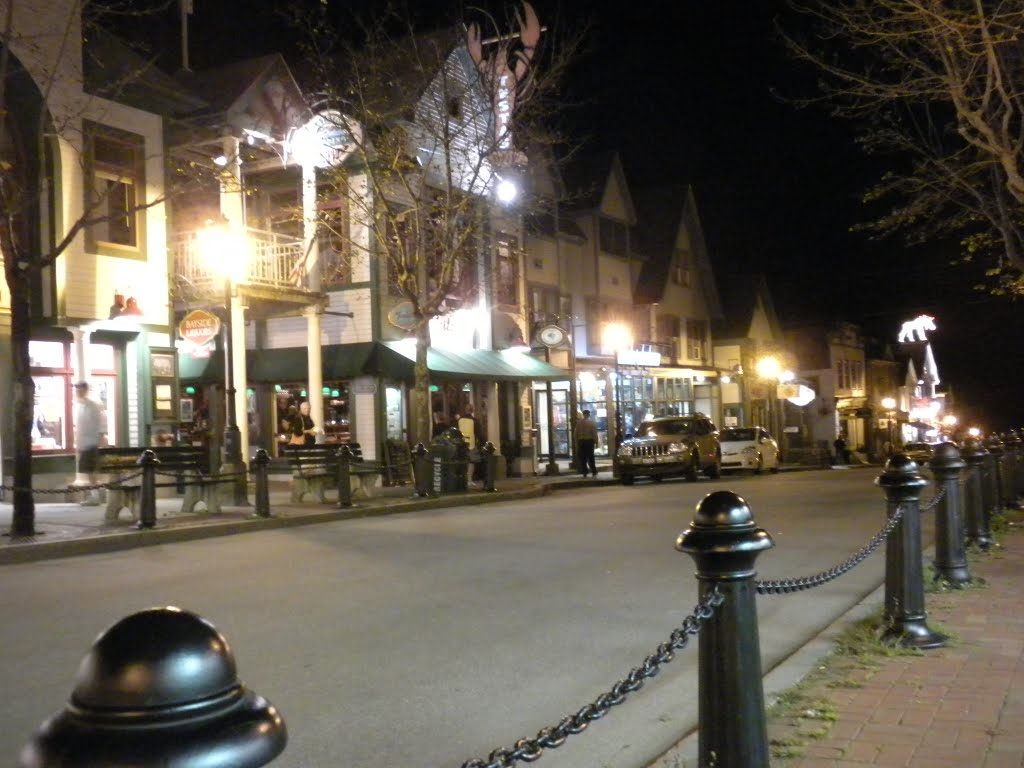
[{"x": 692, "y": 445}]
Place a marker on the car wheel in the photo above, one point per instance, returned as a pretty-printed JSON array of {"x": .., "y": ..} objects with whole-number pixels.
[
  {"x": 627, "y": 479},
  {"x": 715, "y": 470},
  {"x": 693, "y": 471}
]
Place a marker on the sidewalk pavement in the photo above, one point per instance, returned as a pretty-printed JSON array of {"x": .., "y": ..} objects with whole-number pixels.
[{"x": 961, "y": 706}]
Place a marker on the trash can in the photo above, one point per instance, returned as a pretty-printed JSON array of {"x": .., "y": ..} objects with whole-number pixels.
[{"x": 450, "y": 456}]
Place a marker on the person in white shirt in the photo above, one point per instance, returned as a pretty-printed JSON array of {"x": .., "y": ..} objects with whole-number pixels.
[{"x": 88, "y": 434}]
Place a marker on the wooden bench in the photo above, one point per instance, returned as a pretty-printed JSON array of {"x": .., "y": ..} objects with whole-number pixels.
[
  {"x": 315, "y": 469},
  {"x": 185, "y": 468}
]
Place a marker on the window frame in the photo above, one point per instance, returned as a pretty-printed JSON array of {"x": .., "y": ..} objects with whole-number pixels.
[{"x": 131, "y": 174}]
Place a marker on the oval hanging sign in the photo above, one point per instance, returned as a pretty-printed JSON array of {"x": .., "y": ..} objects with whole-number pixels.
[
  {"x": 403, "y": 315},
  {"x": 199, "y": 327}
]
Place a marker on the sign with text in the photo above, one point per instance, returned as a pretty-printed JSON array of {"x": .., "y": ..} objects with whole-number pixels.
[{"x": 199, "y": 327}]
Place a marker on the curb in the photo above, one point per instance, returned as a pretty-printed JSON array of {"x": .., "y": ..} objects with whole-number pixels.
[{"x": 190, "y": 530}]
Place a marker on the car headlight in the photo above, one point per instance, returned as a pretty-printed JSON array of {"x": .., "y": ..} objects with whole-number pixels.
[
  {"x": 677, "y": 448},
  {"x": 750, "y": 450},
  {"x": 625, "y": 450}
]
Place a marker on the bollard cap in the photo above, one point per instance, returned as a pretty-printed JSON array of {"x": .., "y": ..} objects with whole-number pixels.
[
  {"x": 946, "y": 459},
  {"x": 723, "y": 538},
  {"x": 901, "y": 479},
  {"x": 972, "y": 450},
  {"x": 159, "y": 688}
]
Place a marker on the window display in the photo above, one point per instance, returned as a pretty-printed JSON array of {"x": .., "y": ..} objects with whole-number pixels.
[
  {"x": 337, "y": 427},
  {"x": 53, "y": 376}
]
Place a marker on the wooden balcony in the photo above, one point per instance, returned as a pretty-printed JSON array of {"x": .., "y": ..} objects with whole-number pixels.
[{"x": 273, "y": 282}]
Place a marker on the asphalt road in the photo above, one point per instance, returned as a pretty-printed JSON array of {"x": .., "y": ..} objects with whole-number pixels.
[{"x": 429, "y": 638}]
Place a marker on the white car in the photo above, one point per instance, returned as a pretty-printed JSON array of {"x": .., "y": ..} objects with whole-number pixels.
[{"x": 749, "y": 448}]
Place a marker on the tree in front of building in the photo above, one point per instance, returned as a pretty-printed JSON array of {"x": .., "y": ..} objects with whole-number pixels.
[
  {"x": 437, "y": 124},
  {"x": 937, "y": 88}
]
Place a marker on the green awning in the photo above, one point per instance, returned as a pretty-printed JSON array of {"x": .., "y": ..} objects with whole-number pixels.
[
  {"x": 497, "y": 365},
  {"x": 388, "y": 359}
]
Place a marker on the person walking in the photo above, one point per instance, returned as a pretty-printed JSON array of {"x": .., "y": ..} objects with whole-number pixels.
[
  {"x": 88, "y": 435},
  {"x": 842, "y": 453},
  {"x": 471, "y": 432},
  {"x": 302, "y": 426},
  {"x": 586, "y": 439}
]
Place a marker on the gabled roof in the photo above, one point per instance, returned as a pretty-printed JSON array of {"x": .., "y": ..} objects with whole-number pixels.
[
  {"x": 662, "y": 212},
  {"x": 258, "y": 94},
  {"x": 113, "y": 70},
  {"x": 918, "y": 356},
  {"x": 587, "y": 177},
  {"x": 740, "y": 297}
]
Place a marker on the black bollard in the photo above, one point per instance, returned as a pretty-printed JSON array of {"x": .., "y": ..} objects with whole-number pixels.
[
  {"x": 1012, "y": 459},
  {"x": 159, "y": 688},
  {"x": 904, "y": 581},
  {"x": 997, "y": 451},
  {"x": 147, "y": 494},
  {"x": 345, "y": 476},
  {"x": 260, "y": 467},
  {"x": 490, "y": 466},
  {"x": 724, "y": 541},
  {"x": 422, "y": 469},
  {"x": 950, "y": 556},
  {"x": 976, "y": 517},
  {"x": 1018, "y": 479}
]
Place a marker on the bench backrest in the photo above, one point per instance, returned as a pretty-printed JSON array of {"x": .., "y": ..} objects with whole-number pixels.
[
  {"x": 321, "y": 455},
  {"x": 172, "y": 458}
]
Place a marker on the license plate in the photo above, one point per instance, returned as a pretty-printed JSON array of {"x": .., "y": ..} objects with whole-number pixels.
[{"x": 648, "y": 460}]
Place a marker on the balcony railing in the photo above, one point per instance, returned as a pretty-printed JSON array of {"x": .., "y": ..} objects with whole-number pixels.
[{"x": 272, "y": 260}]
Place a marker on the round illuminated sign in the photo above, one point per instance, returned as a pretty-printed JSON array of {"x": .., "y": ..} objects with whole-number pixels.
[
  {"x": 403, "y": 315},
  {"x": 551, "y": 335},
  {"x": 199, "y": 327}
]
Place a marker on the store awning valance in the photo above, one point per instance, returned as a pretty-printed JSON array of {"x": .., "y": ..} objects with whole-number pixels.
[
  {"x": 389, "y": 359},
  {"x": 498, "y": 365}
]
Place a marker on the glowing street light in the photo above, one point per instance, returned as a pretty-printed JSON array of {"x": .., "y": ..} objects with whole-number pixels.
[
  {"x": 223, "y": 253},
  {"x": 617, "y": 337},
  {"x": 889, "y": 403}
]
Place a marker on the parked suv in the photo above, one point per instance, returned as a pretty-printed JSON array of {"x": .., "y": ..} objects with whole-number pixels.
[{"x": 671, "y": 445}]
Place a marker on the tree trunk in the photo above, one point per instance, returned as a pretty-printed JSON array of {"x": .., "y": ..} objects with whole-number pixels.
[
  {"x": 421, "y": 416},
  {"x": 23, "y": 520}
]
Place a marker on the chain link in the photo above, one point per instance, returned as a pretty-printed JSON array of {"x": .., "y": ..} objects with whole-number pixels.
[
  {"x": 939, "y": 496},
  {"x": 784, "y": 586},
  {"x": 528, "y": 750},
  {"x": 111, "y": 485}
]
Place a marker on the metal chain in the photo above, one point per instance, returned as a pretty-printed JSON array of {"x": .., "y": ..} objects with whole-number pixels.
[
  {"x": 939, "y": 496},
  {"x": 527, "y": 750},
  {"x": 783, "y": 586},
  {"x": 204, "y": 478},
  {"x": 113, "y": 485}
]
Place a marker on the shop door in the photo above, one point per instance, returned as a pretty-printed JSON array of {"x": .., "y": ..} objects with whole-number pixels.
[{"x": 560, "y": 400}]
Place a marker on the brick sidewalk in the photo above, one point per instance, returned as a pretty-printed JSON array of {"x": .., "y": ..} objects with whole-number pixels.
[{"x": 956, "y": 707}]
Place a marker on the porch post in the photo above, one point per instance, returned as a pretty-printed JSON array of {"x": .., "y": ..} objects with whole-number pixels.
[{"x": 311, "y": 248}]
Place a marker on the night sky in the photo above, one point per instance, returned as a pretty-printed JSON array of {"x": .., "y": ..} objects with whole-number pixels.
[{"x": 695, "y": 91}]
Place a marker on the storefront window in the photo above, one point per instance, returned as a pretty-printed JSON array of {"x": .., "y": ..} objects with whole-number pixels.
[
  {"x": 337, "y": 426},
  {"x": 53, "y": 410}
]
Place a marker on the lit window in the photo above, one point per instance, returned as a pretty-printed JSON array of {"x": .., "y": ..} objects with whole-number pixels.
[{"x": 113, "y": 190}]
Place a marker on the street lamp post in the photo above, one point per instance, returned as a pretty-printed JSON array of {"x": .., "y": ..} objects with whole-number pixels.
[
  {"x": 889, "y": 403},
  {"x": 220, "y": 248},
  {"x": 617, "y": 337}
]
